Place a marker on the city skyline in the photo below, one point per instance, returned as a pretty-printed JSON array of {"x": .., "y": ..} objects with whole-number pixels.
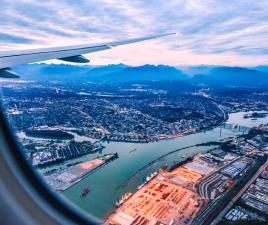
[{"x": 216, "y": 33}]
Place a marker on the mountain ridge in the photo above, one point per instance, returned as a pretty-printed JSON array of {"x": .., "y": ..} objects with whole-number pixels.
[
  {"x": 232, "y": 76},
  {"x": 118, "y": 73}
]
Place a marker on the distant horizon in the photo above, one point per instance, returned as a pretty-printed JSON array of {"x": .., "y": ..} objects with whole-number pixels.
[
  {"x": 57, "y": 62},
  {"x": 122, "y": 72}
]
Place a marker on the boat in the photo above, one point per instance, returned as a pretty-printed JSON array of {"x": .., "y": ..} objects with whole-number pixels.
[
  {"x": 133, "y": 150},
  {"x": 150, "y": 177},
  {"x": 123, "y": 199},
  {"x": 84, "y": 192},
  {"x": 140, "y": 186},
  {"x": 164, "y": 167}
]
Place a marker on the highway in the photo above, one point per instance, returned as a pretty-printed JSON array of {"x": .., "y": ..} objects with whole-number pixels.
[{"x": 241, "y": 192}]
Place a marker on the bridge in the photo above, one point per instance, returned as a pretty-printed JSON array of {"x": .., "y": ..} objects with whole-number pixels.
[{"x": 235, "y": 127}]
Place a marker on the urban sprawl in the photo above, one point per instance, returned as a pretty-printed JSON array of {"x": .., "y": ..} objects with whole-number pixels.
[{"x": 57, "y": 122}]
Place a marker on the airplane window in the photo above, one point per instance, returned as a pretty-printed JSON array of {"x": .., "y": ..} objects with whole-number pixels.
[
  {"x": 134, "y": 112},
  {"x": 127, "y": 150}
]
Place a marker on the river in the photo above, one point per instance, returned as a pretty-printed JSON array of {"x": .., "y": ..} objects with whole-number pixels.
[{"x": 106, "y": 183}]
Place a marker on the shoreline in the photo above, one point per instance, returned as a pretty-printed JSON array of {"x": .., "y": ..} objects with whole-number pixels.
[
  {"x": 113, "y": 157},
  {"x": 170, "y": 137},
  {"x": 163, "y": 156},
  {"x": 171, "y": 146},
  {"x": 155, "y": 160},
  {"x": 173, "y": 136},
  {"x": 83, "y": 175}
]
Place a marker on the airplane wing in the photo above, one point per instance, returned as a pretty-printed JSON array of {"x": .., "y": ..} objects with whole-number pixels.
[{"x": 69, "y": 54}]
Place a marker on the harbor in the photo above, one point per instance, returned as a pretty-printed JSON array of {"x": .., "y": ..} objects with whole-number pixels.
[
  {"x": 63, "y": 179},
  {"x": 104, "y": 183}
]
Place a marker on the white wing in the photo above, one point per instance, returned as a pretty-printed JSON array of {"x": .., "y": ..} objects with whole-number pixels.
[{"x": 70, "y": 54}]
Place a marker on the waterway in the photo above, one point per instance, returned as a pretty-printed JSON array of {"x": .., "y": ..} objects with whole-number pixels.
[{"x": 124, "y": 174}]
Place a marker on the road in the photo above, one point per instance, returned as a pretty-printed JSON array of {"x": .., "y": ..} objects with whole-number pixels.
[
  {"x": 241, "y": 192},
  {"x": 218, "y": 205},
  {"x": 203, "y": 184}
]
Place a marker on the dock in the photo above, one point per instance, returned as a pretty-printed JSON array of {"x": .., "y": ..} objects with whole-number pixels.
[{"x": 63, "y": 179}]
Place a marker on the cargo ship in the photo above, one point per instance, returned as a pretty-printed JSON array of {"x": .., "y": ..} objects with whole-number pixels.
[
  {"x": 123, "y": 199},
  {"x": 84, "y": 192},
  {"x": 140, "y": 186},
  {"x": 150, "y": 177}
]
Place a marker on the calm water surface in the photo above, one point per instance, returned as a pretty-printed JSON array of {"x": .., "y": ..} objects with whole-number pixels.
[{"x": 106, "y": 183}]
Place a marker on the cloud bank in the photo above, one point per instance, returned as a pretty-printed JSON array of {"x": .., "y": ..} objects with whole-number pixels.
[{"x": 230, "y": 32}]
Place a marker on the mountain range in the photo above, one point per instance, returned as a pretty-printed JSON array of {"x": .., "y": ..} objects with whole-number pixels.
[
  {"x": 233, "y": 76},
  {"x": 115, "y": 73}
]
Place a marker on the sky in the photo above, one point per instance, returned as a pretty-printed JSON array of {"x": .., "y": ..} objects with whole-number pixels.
[{"x": 219, "y": 32}]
